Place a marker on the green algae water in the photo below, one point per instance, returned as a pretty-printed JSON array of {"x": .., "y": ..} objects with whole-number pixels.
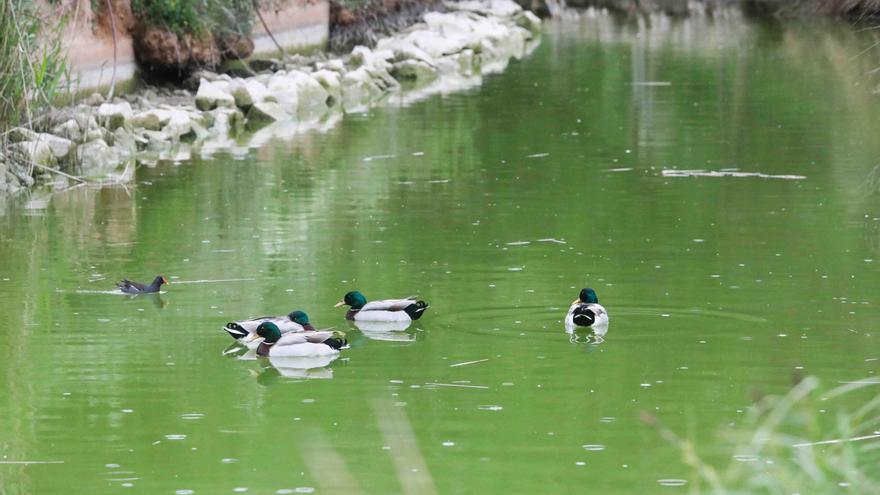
[{"x": 713, "y": 180}]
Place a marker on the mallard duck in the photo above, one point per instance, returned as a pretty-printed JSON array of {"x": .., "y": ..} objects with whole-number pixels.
[
  {"x": 303, "y": 344},
  {"x": 296, "y": 321},
  {"x": 387, "y": 310},
  {"x": 586, "y": 311},
  {"x": 132, "y": 287}
]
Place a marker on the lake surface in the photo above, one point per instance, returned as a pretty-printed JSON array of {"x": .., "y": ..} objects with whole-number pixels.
[{"x": 496, "y": 205}]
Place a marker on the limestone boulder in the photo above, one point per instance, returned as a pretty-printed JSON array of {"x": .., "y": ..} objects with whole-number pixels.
[
  {"x": 152, "y": 119},
  {"x": 528, "y": 21},
  {"x": 383, "y": 78},
  {"x": 358, "y": 89},
  {"x": 334, "y": 65},
  {"x": 285, "y": 93},
  {"x": 404, "y": 50},
  {"x": 113, "y": 115},
  {"x": 96, "y": 133},
  {"x": 125, "y": 143},
  {"x": 437, "y": 44},
  {"x": 60, "y": 146},
  {"x": 267, "y": 111},
  {"x": 362, "y": 56},
  {"x": 27, "y": 152},
  {"x": 414, "y": 70},
  {"x": 246, "y": 92},
  {"x": 226, "y": 120},
  {"x": 212, "y": 95},
  {"x": 331, "y": 81},
  {"x": 96, "y": 157},
  {"x": 68, "y": 129},
  {"x": 311, "y": 95},
  {"x": 180, "y": 124}
]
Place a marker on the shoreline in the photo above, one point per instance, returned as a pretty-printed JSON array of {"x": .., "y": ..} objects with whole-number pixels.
[{"x": 102, "y": 142}]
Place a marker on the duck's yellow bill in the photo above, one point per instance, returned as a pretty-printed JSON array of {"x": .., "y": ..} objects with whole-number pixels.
[
  {"x": 252, "y": 337},
  {"x": 340, "y": 303}
]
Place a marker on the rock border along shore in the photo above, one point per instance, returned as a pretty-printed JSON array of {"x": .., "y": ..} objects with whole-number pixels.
[{"x": 102, "y": 141}]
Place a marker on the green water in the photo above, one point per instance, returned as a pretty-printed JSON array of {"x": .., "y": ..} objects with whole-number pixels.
[{"x": 717, "y": 287}]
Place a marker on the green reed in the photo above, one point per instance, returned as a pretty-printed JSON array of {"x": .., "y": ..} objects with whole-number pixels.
[
  {"x": 32, "y": 62},
  {"x": 806, "y": 441}
]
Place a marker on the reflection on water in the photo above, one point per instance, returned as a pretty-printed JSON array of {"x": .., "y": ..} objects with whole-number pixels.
[
  {"x": 394, "y": 331},
  {"x": 496, "y": 205}
]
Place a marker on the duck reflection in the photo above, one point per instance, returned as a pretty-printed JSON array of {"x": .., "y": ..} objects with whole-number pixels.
[
  {"x": 586, "y": 335},
  {"x": 392, "y": 331},
  {"x": 273, "y": 367}
]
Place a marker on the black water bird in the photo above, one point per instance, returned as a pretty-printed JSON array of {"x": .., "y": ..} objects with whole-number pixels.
[{"x": 132, "y": 287}]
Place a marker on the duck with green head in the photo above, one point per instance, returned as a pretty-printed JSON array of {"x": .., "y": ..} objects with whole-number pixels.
[
  {"x": 387, "y": 310},
  {"x": 586, "y": 311},
  {"x": 295, "y": 321},
  {"x": 302, "y": 344}
]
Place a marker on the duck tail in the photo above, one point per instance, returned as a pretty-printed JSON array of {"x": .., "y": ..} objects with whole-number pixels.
[
  {"x": 416, "y": 309},
  {"x": 235, "y": 330},
  {"x": 336, "y": 342},
  {"x": 583, "y": 317}
]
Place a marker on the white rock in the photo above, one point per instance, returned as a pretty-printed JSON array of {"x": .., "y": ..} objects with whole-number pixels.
[
  {"x": 124, "y": 143},
  {"x": 68, "y": 130},
  {"x": 362, "y": 56},
  {"x": 527, "y": 20},
  {"x": 226, "y": 119},
  {"x": 212, "y": 95},
  {"x": 153, "y": 119},
  {"x": 437, "y": 45},
  {"x": 179, "y": 124},
  {"x": 27, "y": 152},
  {"x": 60, "y": 147},
  {"x": 311, "y": 94},
  {"x": 285, "y": 93},
  {"x": 95, "y": 157},
  {"x": 358, "y": 89},
  {"x": 97, "y": 133},
  {"x": 246, "y": 92},
  {"x": 334, "y": 65},
  {"x": 414, "y": 70},
  {"x": 331, "y": 81},
  {"x": 264, "y": 111},
  {"x": 405, "y": 50},
  {"x": 113, "y": 115}
]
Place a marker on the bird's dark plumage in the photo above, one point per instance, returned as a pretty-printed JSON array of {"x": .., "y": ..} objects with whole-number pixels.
[{"x": 132, "y": 287}]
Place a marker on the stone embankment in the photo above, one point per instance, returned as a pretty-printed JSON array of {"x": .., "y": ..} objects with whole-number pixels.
[{"x": 105, "y": 140}]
